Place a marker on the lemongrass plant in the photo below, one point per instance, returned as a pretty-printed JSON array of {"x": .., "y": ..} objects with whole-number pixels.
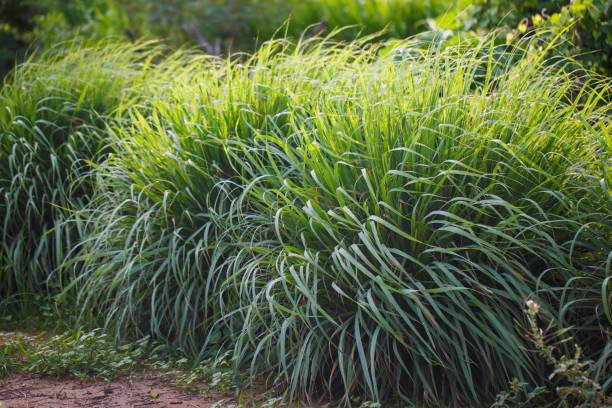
[
  {"x": 411, "y": 207},
  {"x": 349, "y": 223},
  {"x": 352, "y": 224},
  {"x": 55, "y": 110}
]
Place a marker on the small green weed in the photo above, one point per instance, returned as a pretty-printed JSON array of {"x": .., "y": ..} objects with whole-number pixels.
[
  {"x": 82, "y": 354},
  {"x": 370, "y": 404},
  {"x": 95, "y": 355},
  {"x": 86, "y": 355},
  {"x": 11, "y": 347},
  {"x": 269, "y": 403},
  {"x": 574, "y": 378},
  {"x": 207, "y": 375}
]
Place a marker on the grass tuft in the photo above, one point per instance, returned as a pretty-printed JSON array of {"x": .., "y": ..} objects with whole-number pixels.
[
  {"x": 55, "y": 110},
  {"x": 357, "y": 224}
]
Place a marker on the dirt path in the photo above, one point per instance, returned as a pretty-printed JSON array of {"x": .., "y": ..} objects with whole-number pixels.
[
  {"x": 145, "y": 388},
  {"x": 24, "y": 390}
]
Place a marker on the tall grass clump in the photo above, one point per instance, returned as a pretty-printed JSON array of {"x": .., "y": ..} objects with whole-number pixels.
[
  {"x": 155, "y": 255},
  {"x": 412, "y": 208},
  {"x": 352, "y": 224},
  {"x": 52, "y": 128}
]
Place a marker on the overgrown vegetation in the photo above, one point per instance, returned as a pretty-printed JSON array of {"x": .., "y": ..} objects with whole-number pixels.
[
  {"x": 344, "y": 223},
  {"x": 353, "y": 221}
]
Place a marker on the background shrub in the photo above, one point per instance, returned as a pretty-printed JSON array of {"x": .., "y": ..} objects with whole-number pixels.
[
  {"x": 217, "y": 27},
  {"x": 581, "y": 28},
  {"x": 15, "y": 27}
]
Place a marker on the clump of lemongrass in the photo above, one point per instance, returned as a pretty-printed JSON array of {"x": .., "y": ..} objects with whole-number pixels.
[
  {"x": 352, "y": 224},
  {"x": 55, "y": 110}
]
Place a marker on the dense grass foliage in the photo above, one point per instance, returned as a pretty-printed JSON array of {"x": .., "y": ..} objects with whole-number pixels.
[
  {"x": 52, "y": 121},
  {"x": 350, "y": 223}
]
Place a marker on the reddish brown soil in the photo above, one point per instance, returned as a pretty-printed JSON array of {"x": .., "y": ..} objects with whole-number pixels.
[
  {"x": 24, "y": 390},
  {"x": 142, "y": 389}
]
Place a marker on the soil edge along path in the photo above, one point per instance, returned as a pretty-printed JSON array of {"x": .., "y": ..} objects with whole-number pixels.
[{"x": 27, "y": 390}]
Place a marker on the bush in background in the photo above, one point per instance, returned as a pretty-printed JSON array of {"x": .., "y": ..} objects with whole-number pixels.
[
  {"x": 581, "y": 28},
  {"x": 216, "y": 26},
  {"x": 15, "y": 31}
]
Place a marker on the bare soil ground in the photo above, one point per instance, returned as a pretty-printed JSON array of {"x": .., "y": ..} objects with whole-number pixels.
[
  {"x": 145, "y": 388},
  {"x": 25, "y": 390}
]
